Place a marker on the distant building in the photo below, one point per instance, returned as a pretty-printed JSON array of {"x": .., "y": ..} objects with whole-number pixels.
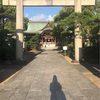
[{"x": 44, "y": 29}]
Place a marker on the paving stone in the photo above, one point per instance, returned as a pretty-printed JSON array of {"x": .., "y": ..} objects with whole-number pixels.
[
  {"x": 18, "y": 96},
  {"x": 6, "y": 94},
  {"x": 92, "y": 94},
  {"x": 22, "y": 89},
  {"x": 80, "y": 98},
  {"x": 35, "y": 95},
  {"x": 49, "y": 77}
]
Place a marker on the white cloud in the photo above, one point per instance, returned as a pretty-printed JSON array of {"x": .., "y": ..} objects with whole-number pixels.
[
  {"x": 38, "y": 17},
  {"x": 26, "y": 15},
  {"x": 50, "y": 18},
  {"x": 42, "y": 17}
]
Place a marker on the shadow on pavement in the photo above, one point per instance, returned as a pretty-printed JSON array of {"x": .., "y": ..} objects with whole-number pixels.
[
  {"x": 8, "y": 69},
  {"x": 29, "y": 56},
  {"x": 56, "y": 90},
  {"x": 94, "y": 68}
]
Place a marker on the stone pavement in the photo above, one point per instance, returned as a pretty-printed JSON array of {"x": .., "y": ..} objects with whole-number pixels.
[{"x": 49, "y": 77}]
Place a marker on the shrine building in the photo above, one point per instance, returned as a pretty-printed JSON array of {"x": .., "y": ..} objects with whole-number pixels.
[{"x": 43, "y": 28}]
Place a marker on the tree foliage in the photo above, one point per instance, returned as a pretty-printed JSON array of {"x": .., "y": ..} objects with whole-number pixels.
[
  {"x": 97, "y": 6},
  {"x": 26, "y": 20},
  {"x": 33, "y": 42},
  {"x": 6, "y": 14},
  {"x": 88, "y": 22},
  {"x": 65, "y": 12},
  {"x": 8, "y": 31}
]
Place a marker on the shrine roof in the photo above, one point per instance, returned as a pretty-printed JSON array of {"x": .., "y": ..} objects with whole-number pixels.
[{"x": 35, "y": 27}]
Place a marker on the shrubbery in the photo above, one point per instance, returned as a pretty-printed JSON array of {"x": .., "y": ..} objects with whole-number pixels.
[
  {"x": 7, "y": 53},
  {"x": 7, "y": 46},
  {"x": 33, "y": 42},
  {"x": 71, "y": 50}
]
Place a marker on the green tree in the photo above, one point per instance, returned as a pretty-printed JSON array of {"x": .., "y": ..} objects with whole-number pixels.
[
  {"x": 8, "y": 31},
  {"x": 33, "y": 42},
  {"x": 65, "y": 12},
  {"x": 97, "y": 6},
  {"x": 88, "y": 21},
  {"x": 89, "y": 26},
  {"x": 6, "y": 13},
  {"x": 63, "y": 29},
  {"x": 26, "y": 20}
]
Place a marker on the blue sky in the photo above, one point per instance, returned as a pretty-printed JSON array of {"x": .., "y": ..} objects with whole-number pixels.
[{"x": 41, "y": 13}]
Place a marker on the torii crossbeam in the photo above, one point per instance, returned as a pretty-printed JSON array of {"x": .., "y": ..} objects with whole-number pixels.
[
  {"x": 48, "y": 2},
  {"x": 19, "y": 20}
]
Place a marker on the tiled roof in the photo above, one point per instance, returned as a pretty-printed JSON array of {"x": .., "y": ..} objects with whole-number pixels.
[{"x": 35, "y": 27}]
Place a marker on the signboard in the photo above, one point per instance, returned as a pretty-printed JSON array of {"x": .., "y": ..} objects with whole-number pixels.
[
  {"x": 64, "y": 47},
  {"x": 48, "y": 2}
]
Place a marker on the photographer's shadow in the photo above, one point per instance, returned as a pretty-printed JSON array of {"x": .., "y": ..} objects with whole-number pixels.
[{"x": 56, "y": 90}]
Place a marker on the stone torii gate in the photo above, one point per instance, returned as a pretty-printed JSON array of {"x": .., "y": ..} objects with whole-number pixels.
[{"x": 19, "y": 20}]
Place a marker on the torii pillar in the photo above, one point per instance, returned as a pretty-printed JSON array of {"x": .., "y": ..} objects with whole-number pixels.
[
  {"x": 78, "y": 37},
  {"x": 19, "y": 29}
]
